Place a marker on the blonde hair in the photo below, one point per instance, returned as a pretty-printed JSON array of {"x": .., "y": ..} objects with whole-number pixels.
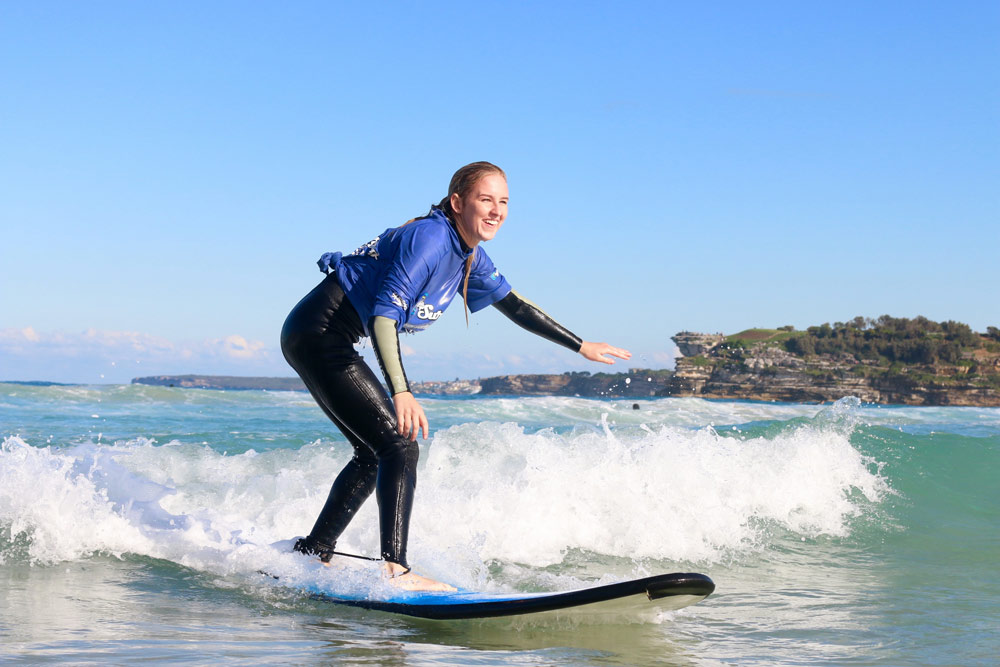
[{"x": 461, "y": 183}]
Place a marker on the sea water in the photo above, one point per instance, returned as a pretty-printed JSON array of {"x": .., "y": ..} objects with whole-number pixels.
[{"x": 134, "y": 520}]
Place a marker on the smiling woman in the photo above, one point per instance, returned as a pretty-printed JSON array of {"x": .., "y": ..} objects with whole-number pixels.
[
  {"x": 479, "y": 218},
  {"x": 402, "y": 280}
]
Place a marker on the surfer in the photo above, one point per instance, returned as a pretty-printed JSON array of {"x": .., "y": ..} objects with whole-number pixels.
[{"x": 401, "y": 281}]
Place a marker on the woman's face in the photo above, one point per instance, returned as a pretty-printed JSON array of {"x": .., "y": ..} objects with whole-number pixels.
[{"x": 481, "y": 212}]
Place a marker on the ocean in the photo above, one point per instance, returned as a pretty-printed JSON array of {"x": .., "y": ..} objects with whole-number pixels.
[{"x": 134, "y": 520}]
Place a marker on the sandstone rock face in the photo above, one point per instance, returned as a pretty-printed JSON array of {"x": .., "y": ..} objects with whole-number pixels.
[
  {"x": 692, "y": 344},
  {"x": 689, "y": 378},
  {"x": 768, "y": 383},
  {"x": 773, "y": 357}
]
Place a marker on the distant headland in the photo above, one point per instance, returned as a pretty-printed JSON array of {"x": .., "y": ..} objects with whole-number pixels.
[
  {"x": 886, "y": 360},
  {"x": 230, "y": 382}
]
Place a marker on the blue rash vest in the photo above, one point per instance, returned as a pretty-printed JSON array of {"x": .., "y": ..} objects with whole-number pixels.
[{"x": 411, "y": 273}]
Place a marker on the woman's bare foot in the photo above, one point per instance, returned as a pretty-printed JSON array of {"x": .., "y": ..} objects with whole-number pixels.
[{"x": 404, "y": 578}]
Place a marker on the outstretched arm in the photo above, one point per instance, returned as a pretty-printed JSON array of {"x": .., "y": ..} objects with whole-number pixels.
[
  {"x": 410, "y": 417},
  {"x": 528, "y": 316},
  {"x": 596, "y": 352}
]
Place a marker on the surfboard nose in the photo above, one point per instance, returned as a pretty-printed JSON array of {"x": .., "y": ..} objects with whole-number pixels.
[{"x": 681, "y": 583}]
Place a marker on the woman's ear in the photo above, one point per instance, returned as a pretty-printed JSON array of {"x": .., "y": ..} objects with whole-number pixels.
[{"x": 456, "y": 203}]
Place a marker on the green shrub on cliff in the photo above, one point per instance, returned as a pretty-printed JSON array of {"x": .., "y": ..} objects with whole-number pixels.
[
  {"x": 891, "y": 340},
  {"x": 801, "y": 345}
]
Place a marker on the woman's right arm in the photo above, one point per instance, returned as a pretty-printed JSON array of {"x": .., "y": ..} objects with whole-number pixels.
[
  {"x": 410, "y": 417},
  {"x": 417, "y": 254}
]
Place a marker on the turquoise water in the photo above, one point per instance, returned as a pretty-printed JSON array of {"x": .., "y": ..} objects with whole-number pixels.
[{"x": 133, "y": 521}]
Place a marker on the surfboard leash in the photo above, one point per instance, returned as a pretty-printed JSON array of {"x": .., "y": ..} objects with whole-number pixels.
[{"x": 358, "y": 556}]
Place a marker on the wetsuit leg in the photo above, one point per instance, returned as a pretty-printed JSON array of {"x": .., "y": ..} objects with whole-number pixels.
[{"x": 351, "y": 396}]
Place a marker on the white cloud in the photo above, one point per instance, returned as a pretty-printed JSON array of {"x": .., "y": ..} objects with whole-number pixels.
[
  {"x": 10, "y": 338},
  {"x": 100, "y": 355},
  {"x": 239, "y": 347}
]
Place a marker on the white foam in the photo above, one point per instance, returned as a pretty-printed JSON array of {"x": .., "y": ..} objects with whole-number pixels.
[
  {"x": 487, "y": 492},
  {"x": 663, "y": 493},
  {"x": 54, "y": 501}
]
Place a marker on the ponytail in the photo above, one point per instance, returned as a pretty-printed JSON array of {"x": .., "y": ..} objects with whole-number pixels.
[{"x": 465, "y": 285}]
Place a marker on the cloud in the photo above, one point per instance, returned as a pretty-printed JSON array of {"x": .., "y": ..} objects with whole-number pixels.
[
  {"x": 239, "y": 347},
  {"x": 10, "y": 338},
  {"x": 100, "y": 355},
  {"x": 88, "y": 342}
]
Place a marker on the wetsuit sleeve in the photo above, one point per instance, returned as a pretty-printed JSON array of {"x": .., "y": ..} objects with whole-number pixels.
[
  {"x": 385, "y": 341},
  {"x": 529, "y": 316}
]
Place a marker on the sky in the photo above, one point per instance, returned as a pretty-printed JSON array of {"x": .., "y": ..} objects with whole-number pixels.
[{"x": 171, "y": 171}]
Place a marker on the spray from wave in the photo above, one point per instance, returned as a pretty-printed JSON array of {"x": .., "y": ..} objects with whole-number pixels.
[{"x": 488, "y": 493}]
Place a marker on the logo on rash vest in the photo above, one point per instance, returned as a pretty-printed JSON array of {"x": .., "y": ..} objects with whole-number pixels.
[
  {"x": 425, "y": 311},
  {"x": 369, "y": 248},
  {"x": 398, "y": 300}
]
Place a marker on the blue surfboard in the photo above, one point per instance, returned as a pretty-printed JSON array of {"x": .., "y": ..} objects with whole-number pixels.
[{"x": 664, "y": 592}]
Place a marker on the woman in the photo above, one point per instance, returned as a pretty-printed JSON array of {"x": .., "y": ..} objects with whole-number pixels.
[{"x": 400, "y": 281}]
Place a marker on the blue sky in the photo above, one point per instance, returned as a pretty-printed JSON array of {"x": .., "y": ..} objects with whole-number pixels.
[{"x": 170, "y": 171}]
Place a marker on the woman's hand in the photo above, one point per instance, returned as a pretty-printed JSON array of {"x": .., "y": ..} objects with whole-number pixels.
[
  {"x": 596, "y": 352},
  {"x": 410, "y": 417}
]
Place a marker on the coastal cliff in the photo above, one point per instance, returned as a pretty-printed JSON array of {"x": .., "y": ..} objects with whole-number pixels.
[
  {"x": 636, "y": 383},
  {"x": 888, "y": 360}
]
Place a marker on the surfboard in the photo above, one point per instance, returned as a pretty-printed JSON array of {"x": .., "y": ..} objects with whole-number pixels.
[{"x": 663, "y": 592}]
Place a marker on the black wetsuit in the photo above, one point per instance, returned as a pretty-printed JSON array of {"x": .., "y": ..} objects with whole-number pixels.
[{"x": 318, "y": 341}]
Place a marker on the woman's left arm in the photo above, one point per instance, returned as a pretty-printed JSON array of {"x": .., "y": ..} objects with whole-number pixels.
[{"x": 529, "y": 316}]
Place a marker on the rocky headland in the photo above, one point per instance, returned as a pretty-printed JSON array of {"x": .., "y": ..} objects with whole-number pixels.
[
  {"x": 223, "y": 382},
  {"x": 888, "y": 360}
]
